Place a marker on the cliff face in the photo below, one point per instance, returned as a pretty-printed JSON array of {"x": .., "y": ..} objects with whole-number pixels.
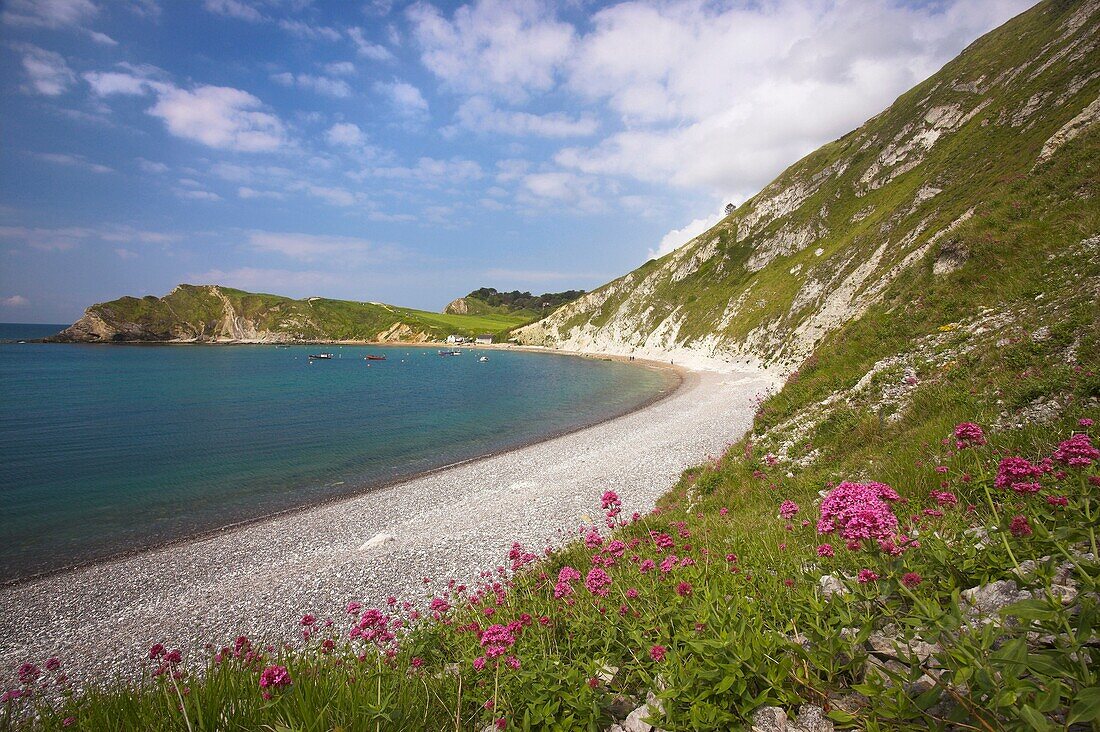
[
  {"x": 212, "y": 314},
  {"x": 891, "y": 208}
]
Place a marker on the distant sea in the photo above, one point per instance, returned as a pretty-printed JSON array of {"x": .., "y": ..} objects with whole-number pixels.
[{"x": 113, "y": 448}]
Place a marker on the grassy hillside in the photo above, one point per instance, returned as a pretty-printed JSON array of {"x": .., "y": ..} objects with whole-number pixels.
[
  {"x": 211, "y": 312},
  {"x": 895, "y": 206}
]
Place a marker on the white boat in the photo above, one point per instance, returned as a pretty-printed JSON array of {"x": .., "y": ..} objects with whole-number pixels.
[
  {"x": 483, "y": 359},
  {"x": 320, "y": 355}
]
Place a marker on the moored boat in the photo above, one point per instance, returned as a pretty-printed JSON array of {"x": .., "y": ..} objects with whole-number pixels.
[
  {"x": 373, "y": 357},
  {"x": 323, "y": 356}
]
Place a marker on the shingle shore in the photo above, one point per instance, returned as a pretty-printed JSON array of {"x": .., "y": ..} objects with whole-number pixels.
[{"x": 258, "y": 580}]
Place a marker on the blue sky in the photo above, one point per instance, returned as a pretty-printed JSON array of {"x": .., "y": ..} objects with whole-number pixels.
[{"x": 411, "y": 152}]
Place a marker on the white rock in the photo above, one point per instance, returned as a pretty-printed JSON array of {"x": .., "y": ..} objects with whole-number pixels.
[{"x": 377, "y": 540}]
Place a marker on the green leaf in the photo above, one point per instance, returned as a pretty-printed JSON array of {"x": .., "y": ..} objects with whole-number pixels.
[
  {"x": 1035, "y": 719},
  {"x": 1034, "y": 609},
  {"x": 1086, "y": 706}
]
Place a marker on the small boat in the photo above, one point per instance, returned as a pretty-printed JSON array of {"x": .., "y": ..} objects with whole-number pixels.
[
  {"x": 450, "y": 353},
  {"x": 323, "y": 356},
  {"x": 483, "y": 359},
  {"x": 282, "y": 346},
  {"x": 372, "y": 357}
]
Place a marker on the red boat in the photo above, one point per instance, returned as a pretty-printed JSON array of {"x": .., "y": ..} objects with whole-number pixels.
[{"x": 374, "y": 358}]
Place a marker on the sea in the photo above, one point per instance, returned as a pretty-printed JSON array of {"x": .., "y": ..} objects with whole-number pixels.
[{"x": 110, "y": 449}]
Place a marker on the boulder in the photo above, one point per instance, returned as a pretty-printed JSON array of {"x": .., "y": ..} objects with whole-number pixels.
[
  {"x": 811, "y": 718},
  {"x": 831, "y": 585},
  {"x": 986, "y": 600},
  {"x": 769, "y": 719},
  {"x": 635, "y": 721}
]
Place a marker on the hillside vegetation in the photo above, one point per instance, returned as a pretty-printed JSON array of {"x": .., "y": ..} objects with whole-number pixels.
[
  {"x": 488, "y": 300},
  {"x": 969, "y": 179},
  {"x": 207, "y": 313},
  {"x": 906, "y": 540}
]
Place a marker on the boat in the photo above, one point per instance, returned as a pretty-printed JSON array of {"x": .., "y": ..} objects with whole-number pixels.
[
  {"x": 483, "y": 359},
  {"x": 450, "y": 353},
  {"x": 320, "y": 355},
  {"x": 373, "y": 357}
]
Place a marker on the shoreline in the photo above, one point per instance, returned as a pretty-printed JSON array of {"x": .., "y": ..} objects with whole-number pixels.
[
  {"x": 258, "y": 579},
  {"x": 679, "y": 376}
]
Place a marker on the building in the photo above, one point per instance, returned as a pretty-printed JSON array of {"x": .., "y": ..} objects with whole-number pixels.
[
  {"x": 485, "y": 340},
  {"x": 457, "y": 339}
]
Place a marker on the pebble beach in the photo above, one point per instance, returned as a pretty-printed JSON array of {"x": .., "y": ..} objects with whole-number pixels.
[{"x": 404, "y": 540}]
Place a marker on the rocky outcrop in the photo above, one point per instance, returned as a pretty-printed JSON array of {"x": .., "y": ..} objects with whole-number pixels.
[{"x": 456, "y": 307}]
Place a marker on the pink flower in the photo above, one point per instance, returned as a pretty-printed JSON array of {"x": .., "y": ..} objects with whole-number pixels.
[
  {"x": 610, "y": 501},
  {"x": 1084, "y": 422},
  {"x": 597, "y": 582},
  {"x": 911, "y": 579},
  {"x": 723, "y": 511},
  {"x": 968, "y": 434},
  {"x": 647, "y": 565},
  {"x": 156, "y": 651},
  {"x": 52, "y": 664},
  {"x": 1057, "y": 500},
  {"x": 683, "y": 589},
  {"x": 501, "y": 723},
  {"x": 632, "y": 593},
  {"x": 859, "y": 511},
  {"x": 274, "y": 677},
  {"x": 945, "y": 498},
  {"x": 1020, "y": 527},
  {"x": 68, "y": 721},
  {"x": 28, "y": 674},
  {"x": 1077, "y": 451},
  {"x": 865, "y": 576},
  {"x": 825, "y": 550},
  {"x": 479, "y": 663},
  {"x": 353, "y": 607},
  {"x": 496, "y": 640},
  {"x": 788, "y": 509},
  {"x": 308, "y": 620},
  {"x": 657, "y": 653},
  {"x": 564, "y": 587},
  {"x": 1018, "y": 474}
]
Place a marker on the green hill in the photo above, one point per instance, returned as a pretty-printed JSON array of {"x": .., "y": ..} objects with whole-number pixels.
[
  {"x": 211, "y": 313},
  {"x": 950, "y": 200},
  {"x": 488, "y": 300}
]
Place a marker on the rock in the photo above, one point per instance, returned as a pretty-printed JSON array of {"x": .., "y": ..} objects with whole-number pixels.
[
  {"x": 989, "y": 599},
  {"x": 635, "y": 721},
  {"x": 377, "y": 540},
  {"x": 621, "y": 706},
  {"x": 811, "y": 718},
  {"x": 923, "y": 684},
  {"x": 885, "y": 671},
  {"x": 769, "y": 719},
  {"x": 614, "y": 728},
  {"x": 889, "y": 646},
  {"x": 831, "y": 585},
  {"x": 852, "y": 702}
]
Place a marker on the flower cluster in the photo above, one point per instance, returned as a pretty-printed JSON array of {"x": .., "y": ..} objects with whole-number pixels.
[
  {"x": 275, "y": 677},
  {"x": 859, "y": 512},
  {"x": 564, "y": 586},
  {"x": 1019, "y": 475},
  {"x": 788, "y": 509},
  {"x": 968, "y": 434},
  {"x": 1077, "y": 451}
]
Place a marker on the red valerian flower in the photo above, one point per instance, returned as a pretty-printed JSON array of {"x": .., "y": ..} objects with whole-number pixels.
[
  {"x": 1018, "y": 474},
  {"x": 274, "y": 677},
  {"x": 657, "y": 653},
  {"x": 597, "y": 582},
  {"x": 788, "y": 509},
  {"x": 1020, "y": 527},
  {"x": 683, "y": 589},
  {"x": 1077, "y": 451},
  {"x": 865, "y": 576},
  {"x": 968, "y": 434},
  {"x": 911, "y": 579}
]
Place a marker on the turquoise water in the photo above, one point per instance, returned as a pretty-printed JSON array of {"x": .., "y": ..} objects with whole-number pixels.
[{"x": 111, "y": 448}]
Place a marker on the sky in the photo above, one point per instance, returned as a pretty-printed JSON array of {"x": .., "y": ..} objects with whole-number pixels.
[{"x": 411, "y": 152}]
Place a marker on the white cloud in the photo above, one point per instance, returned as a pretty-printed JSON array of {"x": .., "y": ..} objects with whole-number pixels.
[
  {"x": 504, "y": 47},
  {"x": 107, "y": 83},
  {"x": 49, "y": 13},
  {"x": 722, "y": 97},
  {"x": 480, "y": 115},
  {"x": 73, "y": 161},
  {"x": 365, "y": 48},
  {"x": 151, "y": 166},
  {"x": 345, "y": 134},
  {"x": 47, "y": 72},
  {"x": 219, "y": 117},
  {"x": 676, "y": 238},
  {"x": 405, "y": 98},
  {"x": 251, "y": 193},
  {"x": 71, "y": 237},
  {"x": 433, "y": 172},
  {"x": 558, "y": 187},
  {"x": 196, "y": 195},
  {"x": 340, "y": 68},
  {"x": 313, "y": 247},
  {"x": 329, "y": 194},
  {"x": 234, "y": 9},
  {"x": 14, "y": 301},
  {"x": 321, "y": 84},
  {"x": 123, "y": 253},
  {"x": 310, "y": 32}
]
